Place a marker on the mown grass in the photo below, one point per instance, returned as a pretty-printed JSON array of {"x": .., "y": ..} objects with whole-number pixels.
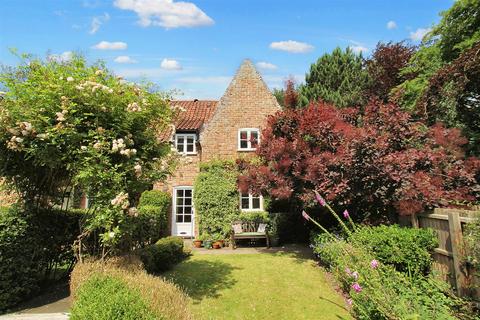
[{"x": 258, "y": 286}]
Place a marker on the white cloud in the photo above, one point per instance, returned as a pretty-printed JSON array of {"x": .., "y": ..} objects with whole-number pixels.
[
  {"x": 170, "y": 64},
  {"x": 97, "y": 22},
  {"x": 266, "y": 65},
  {"x": 391, "y": 25},
  {"x": 124, "y": 59},
  {"x": 63, "y": 57},
  {"x": 418, "y": 34},
  {"x": 359, "y": 49},
  {"x": 292, "y": 46},
  {"x": 105, "y": 45},
  {"x": 166, "y": 13}
]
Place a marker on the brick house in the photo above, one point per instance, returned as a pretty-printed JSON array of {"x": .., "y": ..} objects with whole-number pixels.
[{"x": 225, "y": 129}]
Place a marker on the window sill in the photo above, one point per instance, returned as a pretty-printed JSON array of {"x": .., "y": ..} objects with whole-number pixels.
[
  {"x": 252, "y": 210},
  {"x": 246, "y": 150}
]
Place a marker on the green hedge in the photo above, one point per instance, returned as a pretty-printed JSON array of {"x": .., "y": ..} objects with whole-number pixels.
[
  {"x": 119, "y": 288},
  {"x": 104, "y": 297},
  {"x": 152, "y": 220},
  {"x": 216, "y": 197},
  {"x": 407, "y": 249},
  {"x": 162, "y": 255},
  {"x": 32, "y": 246}
]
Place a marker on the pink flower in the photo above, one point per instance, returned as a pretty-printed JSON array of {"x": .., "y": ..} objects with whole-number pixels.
[
  {"x": 320, "y": 199},
  {"x": 348, "y": 271},
  {"x": 305, "y": 215},
  {"x": 346, "y": 215},
  {"x": 374, "y": 264},
  {"x": 349, "y": 302},
  {"x": 356, "y": 287},
  {"x": 355, "y": 275}
]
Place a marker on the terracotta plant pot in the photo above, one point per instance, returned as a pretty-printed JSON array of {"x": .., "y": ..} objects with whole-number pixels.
[
  {"x": 222, "y": 243},
  {"x": 197, "y": 243},
  {"x": 217, "y": 245}
]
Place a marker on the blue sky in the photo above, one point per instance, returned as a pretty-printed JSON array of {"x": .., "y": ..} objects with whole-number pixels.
[{"x": 195, "y": 46}]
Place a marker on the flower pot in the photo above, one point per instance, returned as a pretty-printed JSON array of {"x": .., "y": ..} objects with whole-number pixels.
[
  {"x": 217, "y": 245},
  {"x": 197, "y": 243},
  {"x": 207, "y": 244},
  {"x": 222, "y": 243}
]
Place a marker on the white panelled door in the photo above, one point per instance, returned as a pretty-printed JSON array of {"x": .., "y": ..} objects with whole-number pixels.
[{"x": 182, "y": 212}]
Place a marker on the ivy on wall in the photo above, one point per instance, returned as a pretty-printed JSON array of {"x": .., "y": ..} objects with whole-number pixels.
[{"x": 216, "y": 197}]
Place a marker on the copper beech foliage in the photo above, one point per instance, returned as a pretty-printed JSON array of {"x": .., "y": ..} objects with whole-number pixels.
[{"x": 376, "y": 163}]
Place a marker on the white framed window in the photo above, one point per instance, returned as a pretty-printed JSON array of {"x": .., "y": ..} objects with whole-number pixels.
[
  {"x": 186, "y": 143},
  {"x": 250, "y": 202},
  {"x": 248, "y": 139}
]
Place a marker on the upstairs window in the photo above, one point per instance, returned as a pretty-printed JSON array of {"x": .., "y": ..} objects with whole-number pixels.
[
  {"x": 248, "y": 139},
  {"x": 250, "y": 202},
  {"x": 185, "y": 143}
]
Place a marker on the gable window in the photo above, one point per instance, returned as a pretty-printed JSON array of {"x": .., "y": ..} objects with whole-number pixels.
[
  {"x": 250, "y": 202},
  {"x": 185, "y": 143},
  {"x": 248, "y": 139}
]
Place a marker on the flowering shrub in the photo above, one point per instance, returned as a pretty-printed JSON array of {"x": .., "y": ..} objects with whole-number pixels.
[
  {"x": 70, "y": 125},
  {"x": 377, "y": 290},
  {"x": 374, "y": 164}
]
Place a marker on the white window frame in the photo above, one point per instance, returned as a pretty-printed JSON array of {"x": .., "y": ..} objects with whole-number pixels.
[
  {"x": 185, "y": 136},
  {"x": 250, "y": 203},
  {"x": 249, "y": 137}
]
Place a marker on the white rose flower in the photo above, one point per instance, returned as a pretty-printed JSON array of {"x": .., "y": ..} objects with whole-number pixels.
[
  {"x": 18, "y": 139},
  {"x": 83, "y": 148},
  {"x": 69, "y": 79},
  {"x": 111, "y": 234}
]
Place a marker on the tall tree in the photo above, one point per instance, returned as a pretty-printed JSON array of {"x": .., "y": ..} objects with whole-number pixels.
[
  {"x": 291, "y": 94},
  {"x": 339, "y": 78},
  {"x": 384, "y": 67}
]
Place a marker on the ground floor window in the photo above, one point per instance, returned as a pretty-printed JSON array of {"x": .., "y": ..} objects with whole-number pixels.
[{"x": 250, "y": 202}]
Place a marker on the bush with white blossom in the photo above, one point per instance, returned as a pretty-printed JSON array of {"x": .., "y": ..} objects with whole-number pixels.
[{"x": 70, "y": 124}]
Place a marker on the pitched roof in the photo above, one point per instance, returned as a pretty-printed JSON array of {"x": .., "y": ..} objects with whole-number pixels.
[{"x": 193, "y": 113}]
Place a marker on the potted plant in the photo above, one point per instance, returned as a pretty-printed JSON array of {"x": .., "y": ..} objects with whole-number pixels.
[
  {"x": 217, "y": 241},
  {"x": 207, "y": 242},
  {"x": 197, "y": 243}
]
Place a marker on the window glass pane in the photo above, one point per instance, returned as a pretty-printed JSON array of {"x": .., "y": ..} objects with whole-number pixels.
[
  {"x": 243, "y": 144},
  {"x": 180, "y": 193},
  {"x": 243, "y": 135},
  {"x": 187, "y": 218},
  {"x": 179, "y": 209},
  {"x": 256, "y": 203},
  {"x": 179, "y": 201},
  {"x": 188, "y": 193},
  {"x": 190, "y": 140},
  {"x": 180, "y": 140},
  {"x": 245, "y": 203},
  {"x": 254, "y": 139},
  {"x": 189, "y": 147},
  {"x": 180, "y": 147},
  {"x": 179, "y": 218},
  {"x": 187, "y": 210},
  {"x": 188, "y": 201}
]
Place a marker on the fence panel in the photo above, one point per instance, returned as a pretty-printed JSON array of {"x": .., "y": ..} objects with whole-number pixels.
[{"x": 449, "y": 224}]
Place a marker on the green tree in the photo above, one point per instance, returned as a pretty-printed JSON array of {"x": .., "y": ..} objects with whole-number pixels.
[
  {"x": 68, "y": 124},
  {"x": 339, "y": 77}
]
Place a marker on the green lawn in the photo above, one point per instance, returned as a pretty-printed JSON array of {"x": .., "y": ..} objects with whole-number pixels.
[{"x": 258, "y": 286}]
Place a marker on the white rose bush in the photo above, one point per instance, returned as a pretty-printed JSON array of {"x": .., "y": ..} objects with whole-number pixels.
[{"x": 68, "y": 125}]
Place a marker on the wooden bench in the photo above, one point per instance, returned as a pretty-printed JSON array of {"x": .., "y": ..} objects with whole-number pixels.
[{"x": 249, "y": 231}]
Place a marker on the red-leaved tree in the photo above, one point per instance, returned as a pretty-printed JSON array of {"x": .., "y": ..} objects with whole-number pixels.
[{"x": 376, "y": 164}]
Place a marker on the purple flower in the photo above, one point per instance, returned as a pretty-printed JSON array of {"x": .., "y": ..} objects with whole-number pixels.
[
  {"x": 346, "y": 215},
  {"x": 374, "y": 264},
  {"x": 355, "y": 275},
  {"x": 349, "y": 302},
  {"x": 320, "y": 199},
  {"x": 356, "y": 287}
]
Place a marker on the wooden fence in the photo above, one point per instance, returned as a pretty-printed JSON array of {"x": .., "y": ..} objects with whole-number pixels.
[{"x": 449, "y": 225}]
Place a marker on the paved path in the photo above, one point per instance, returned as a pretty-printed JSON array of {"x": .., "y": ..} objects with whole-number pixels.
[{"x": 35, "y": 316}]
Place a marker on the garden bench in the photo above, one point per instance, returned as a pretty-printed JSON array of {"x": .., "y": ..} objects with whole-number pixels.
[{"x": 248, "y": 230}]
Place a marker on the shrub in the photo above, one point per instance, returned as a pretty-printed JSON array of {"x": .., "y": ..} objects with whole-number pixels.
[
  {"x": 151, "y": 223},
  {"x": 378, "y": 291},
  {"x": 471, "y": 238},
  {"x": 407, "y": 249},
  {"x": 105, "y": 298},
  {"x": 163, "y": 300},
  {"x": 162, "y": 255},
  {"x": 216, "y": 197},
  {"x": 19, "y": 255}
]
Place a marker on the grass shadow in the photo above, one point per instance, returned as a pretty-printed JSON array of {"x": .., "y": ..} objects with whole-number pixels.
[
  {"x": 300, "y": 253},
  {"x": 202, "y": 279}
]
